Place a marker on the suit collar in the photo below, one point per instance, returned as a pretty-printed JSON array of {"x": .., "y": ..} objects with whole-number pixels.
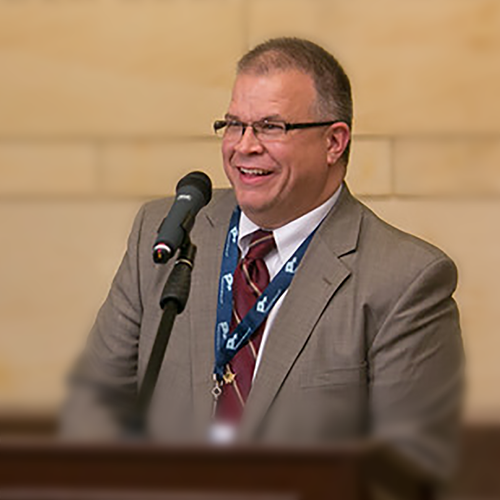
[
  {"x": 341, "y": 228},
  {"x": 219, "y": 210},
  {"x": 211, "y": 228}
]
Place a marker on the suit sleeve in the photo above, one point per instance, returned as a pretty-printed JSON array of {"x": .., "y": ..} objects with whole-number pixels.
[
  {"x": 416, "y": 371},
  {"x": 103, "y": 383}
]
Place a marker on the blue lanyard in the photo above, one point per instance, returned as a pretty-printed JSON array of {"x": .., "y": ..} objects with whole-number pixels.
[{"x": 228, "y": 343}]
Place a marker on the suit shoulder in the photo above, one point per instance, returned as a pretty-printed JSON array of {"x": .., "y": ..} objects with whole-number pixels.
[
  {"x": 389, "y": 264},
  {"x": 398, "y": 255}
]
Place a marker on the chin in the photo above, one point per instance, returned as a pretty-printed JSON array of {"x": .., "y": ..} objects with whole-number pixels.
[
  {"x": 251, "y": 209},
  {"x": 263, "y": 216},
  {"x": 250, "y": 202}
]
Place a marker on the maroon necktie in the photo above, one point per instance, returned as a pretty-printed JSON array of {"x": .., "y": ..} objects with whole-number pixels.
[{"x": 251, "y": 277}]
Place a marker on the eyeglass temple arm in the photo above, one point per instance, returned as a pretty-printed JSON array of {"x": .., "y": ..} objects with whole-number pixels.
[{"x": 291, "y": 126}]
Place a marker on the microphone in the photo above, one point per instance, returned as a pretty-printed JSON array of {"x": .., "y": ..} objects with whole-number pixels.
[{"x": 193, "y": 192}]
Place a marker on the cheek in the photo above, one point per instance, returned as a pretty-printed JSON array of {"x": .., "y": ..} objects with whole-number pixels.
[
  {"x": 282, "y": 156},
  {"x": 312, "y": 161},
  {"x": 295, "y": 163}
]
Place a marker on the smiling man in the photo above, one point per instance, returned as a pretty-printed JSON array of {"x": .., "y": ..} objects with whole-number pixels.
[{"x": 328, "y": 323}]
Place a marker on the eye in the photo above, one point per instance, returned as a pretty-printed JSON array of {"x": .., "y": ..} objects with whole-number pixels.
[
  {"x": 234, "y": 124},
  {"x": 270, "y": 128}
]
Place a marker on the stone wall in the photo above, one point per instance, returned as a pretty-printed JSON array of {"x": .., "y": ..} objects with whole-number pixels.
[{"x": 106, "y": 103}]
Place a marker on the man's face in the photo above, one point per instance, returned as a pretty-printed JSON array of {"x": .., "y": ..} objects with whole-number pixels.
[{"x": 299, "y": 174}]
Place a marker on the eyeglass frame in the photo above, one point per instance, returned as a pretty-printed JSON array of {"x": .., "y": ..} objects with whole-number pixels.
[{"x": 220, "y": 124}]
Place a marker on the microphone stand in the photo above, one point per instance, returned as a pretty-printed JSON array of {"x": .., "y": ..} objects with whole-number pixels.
[{"x": 173, "y": 301}]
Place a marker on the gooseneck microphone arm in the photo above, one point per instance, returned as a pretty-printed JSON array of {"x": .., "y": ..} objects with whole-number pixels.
[{"x": 173, "y": 301}]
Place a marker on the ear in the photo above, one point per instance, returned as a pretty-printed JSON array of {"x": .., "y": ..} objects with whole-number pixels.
[{"x": 338, "y": 136}]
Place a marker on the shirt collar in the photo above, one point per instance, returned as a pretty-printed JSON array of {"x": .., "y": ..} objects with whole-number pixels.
[{"x": 288, "y": 237}]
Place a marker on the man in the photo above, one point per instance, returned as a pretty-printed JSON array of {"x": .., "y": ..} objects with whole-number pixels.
[{"x": 364, "y": 340}]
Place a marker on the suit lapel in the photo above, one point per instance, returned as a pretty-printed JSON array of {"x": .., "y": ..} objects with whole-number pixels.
[
  {"x": 319, "y": 276},
  {"x": 211, "y": 235}
]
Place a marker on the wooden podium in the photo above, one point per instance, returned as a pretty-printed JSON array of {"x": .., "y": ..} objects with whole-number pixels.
[{"x": 63, "y": 471}]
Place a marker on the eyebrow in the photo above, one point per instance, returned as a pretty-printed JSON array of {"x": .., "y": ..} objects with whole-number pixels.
[
  {"x": 229, "y": 116},
  {"x": 273, "y": 117}
]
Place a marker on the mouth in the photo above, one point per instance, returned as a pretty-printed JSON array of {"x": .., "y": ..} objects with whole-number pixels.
[{"x": 254, "y": 172}]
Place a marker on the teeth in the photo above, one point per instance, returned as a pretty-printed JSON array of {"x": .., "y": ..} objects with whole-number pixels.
[{"x": 253, "y": 171}]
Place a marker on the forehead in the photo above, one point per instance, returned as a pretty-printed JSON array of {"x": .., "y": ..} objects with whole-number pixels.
[{"x": 286, "y": 94}]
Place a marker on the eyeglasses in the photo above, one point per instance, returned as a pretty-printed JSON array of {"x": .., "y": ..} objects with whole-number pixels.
[{"x": 263, "y": 129}]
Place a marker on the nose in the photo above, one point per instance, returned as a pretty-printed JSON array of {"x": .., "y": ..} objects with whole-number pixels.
[{"x": 248, "y": 143}]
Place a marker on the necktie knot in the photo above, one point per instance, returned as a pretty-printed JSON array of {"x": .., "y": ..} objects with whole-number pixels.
[{"x": 261, "y": 244}]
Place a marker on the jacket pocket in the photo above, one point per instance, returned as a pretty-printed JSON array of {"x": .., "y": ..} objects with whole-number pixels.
[{"x": 356, "y": 375}]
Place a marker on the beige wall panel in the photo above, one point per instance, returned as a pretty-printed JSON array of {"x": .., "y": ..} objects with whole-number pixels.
[
  {"x": 420, "y": 66},
  {"x": 447, "y": 167},
  {"x": 467, "y": 232},
  {"x": 56, "y": 264},
  {"x": 274, "y": 18},
  {"x": 369, "y": 169},
  {"x": 47, "y": 169},
  {"x": 151, "y": 168},
  {"x": 111, "y": 67},
  {"x": 415, "y": 66}
]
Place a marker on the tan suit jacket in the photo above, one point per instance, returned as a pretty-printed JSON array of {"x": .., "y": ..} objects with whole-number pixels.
[{"x": 367, "y": 340}]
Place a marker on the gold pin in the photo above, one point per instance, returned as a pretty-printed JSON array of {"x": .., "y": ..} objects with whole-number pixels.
[
  {"x": 229, "y": 376},
  {"x": 216, "y": 392}
]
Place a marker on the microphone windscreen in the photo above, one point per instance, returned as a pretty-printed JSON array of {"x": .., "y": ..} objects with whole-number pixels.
[{"x": 198, "y": 180}]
